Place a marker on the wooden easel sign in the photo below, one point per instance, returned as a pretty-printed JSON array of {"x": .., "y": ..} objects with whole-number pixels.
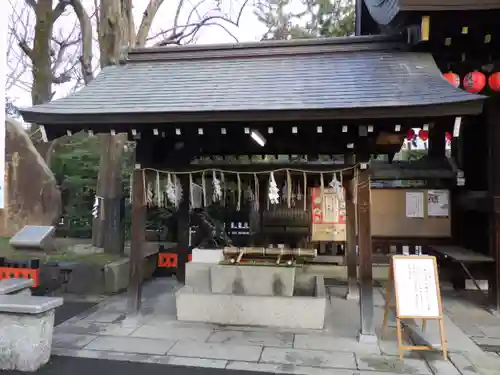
[{"x": 413, "y": 293}]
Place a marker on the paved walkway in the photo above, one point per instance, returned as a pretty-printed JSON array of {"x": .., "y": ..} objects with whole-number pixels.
[
  {"x": 156, "y": 337},
  {"x": 480, "y": 325},
  {"x": 83, "y": 366}
]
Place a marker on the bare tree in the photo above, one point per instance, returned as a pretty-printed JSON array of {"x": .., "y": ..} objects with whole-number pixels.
[
  {"x": 106, "y": 29},
  {"x": 117, "y": 32}
]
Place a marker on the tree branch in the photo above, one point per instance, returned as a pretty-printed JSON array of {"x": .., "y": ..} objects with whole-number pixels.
[
  {"x": 190, "y": 29},
  {"x": 86, "y": 32},
  {"x": 147, "y": 21},
  {"x": 59, "y": 9}
]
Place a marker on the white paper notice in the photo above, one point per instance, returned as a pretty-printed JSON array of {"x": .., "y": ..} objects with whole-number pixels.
[
  {"x": 415, "y": 204},
  {"x": 416, "y": 287},
  {"x": 438, "y": 203}
]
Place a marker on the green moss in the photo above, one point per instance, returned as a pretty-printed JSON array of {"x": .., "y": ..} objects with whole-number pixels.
[{"x": 96, "y": 258}]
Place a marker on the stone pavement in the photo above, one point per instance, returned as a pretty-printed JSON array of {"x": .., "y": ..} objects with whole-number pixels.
[
  {"x": 85, "y": 366},
  {"x": 464, "y": 309},
  {"x": 155, "y": 336}
]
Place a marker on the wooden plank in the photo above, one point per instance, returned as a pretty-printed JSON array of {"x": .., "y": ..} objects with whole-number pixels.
[{"x": 462, "y": 254}]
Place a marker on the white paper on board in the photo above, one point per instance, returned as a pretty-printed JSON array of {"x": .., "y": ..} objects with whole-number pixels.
[
  {"x": 414, "y": 204},
  {"x": 438, "y": 203},
  {"x": 416, "y": 287}
]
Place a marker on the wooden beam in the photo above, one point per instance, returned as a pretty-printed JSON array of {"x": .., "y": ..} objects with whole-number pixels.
[
  {"x": 493, "y": 121},
  {"x": 351, "y": 252},
  {"x": 367, "y": 332},
  {"x": 137, "y": 241},
  {"x": 183, "y": 232},
  {"x": 437, "y": 142}
]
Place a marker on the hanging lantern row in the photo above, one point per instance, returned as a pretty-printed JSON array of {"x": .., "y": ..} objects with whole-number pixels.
[
  {"x": 474, "y": 82},
  {"x": 424, "y": 135}
]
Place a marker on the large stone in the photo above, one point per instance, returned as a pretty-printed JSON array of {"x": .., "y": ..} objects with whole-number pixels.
[
  {"x": 31, "y": 194},
  {"x": 25, "y": 340}
]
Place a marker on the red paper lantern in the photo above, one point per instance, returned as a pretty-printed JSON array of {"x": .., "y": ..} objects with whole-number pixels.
[
  {"x": 423, "y": 135},
  {"x": 452, "y": 78},
  {"x": 494, "y": 81},
  {"x": 474, "y": 82},
  {"x": 448, "y": 136},
  {"x": 410, "y": 135}
]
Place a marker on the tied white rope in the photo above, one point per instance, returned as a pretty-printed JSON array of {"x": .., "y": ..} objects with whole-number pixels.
[
  {"x": 294, "y": 170},
  {"x": 322, "y": 186},
  {"x": 191, "y": 193},
  {"x": 305, "y": 191},
  {"x": 238, "y": 206},
  {"x": 223, "y": 182},
  {"x": 256, "y": 183},
  {"x": 289, "y": 188},
  {"x": 158, "y": 190},
  {"x": 144, "y": 187},
  {"x": 203, "y": 189}
]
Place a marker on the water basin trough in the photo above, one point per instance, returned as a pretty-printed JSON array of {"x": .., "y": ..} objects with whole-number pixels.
[{"x": 270, "y": 296}]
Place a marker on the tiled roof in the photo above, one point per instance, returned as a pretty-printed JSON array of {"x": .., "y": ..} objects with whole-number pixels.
[{"x": 359, "y": 77}]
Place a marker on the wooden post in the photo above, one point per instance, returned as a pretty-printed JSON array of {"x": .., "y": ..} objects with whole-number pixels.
[
  {"x": 351, "y": 253},
  {"x": 137, "y": 240},
  {"x": 493, "y": 121},
  {"x": 367, "y": 333},
  {"x": 183, "y": 229},
  {"x": 437, "y": 142}
]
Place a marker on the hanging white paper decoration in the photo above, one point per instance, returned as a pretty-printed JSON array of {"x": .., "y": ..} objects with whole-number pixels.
[
  {"x": 149, "y": 194},
  {"x": 178, "y": 191},
  {"x": 299, "y": 192},
  {"x": 335, "y": 184},
  {"x": 217, "y": 194},
  {"x": 274, "y": 195},
  {"x": 95, "y": 207},
  {"x": 170, "y": 190}
]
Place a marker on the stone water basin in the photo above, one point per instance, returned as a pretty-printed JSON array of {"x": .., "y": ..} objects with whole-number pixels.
[{"x": 254, "y": 295}]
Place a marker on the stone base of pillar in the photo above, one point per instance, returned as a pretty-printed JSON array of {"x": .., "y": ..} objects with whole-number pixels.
[
  {"x": 352, "y": 294},
  {"x": 364, "y": 338}
]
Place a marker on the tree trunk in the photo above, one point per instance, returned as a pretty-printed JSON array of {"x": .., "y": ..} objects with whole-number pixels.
[
  {"x": 116, "y": 34},
  {"x": 113, "y": 30},
  {"x": 40, "y": 54}
]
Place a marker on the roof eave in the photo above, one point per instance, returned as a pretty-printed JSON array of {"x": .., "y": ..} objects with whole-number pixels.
[{"x": 461, "y": 108}]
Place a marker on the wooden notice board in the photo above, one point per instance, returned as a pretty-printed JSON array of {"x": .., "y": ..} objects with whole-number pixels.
[
  {"x": 390, "y": 216},
  {"x": 413, "y": 293}
]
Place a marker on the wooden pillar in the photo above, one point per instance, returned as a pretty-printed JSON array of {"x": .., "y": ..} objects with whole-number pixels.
[
  {"x": 183, "y": 229},
  {"x": 351, "y": 252},
  {"x": 493, "y": 120},
  {"x": 367, "y": 333},
  {"x": 137, "y": 240},
  {"x": 437, "y": 142}
]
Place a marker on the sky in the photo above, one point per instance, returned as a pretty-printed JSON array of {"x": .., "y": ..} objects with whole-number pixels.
[
  {"x": 18, "y": 68},
  {"x": 250, "y": 29}
]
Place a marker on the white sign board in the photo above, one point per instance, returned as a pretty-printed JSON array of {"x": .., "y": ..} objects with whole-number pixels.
[
  {"x": 415, "y": 204},
  {"x": 438, "y": 203},
  {"x": 416, "y": 287}
]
